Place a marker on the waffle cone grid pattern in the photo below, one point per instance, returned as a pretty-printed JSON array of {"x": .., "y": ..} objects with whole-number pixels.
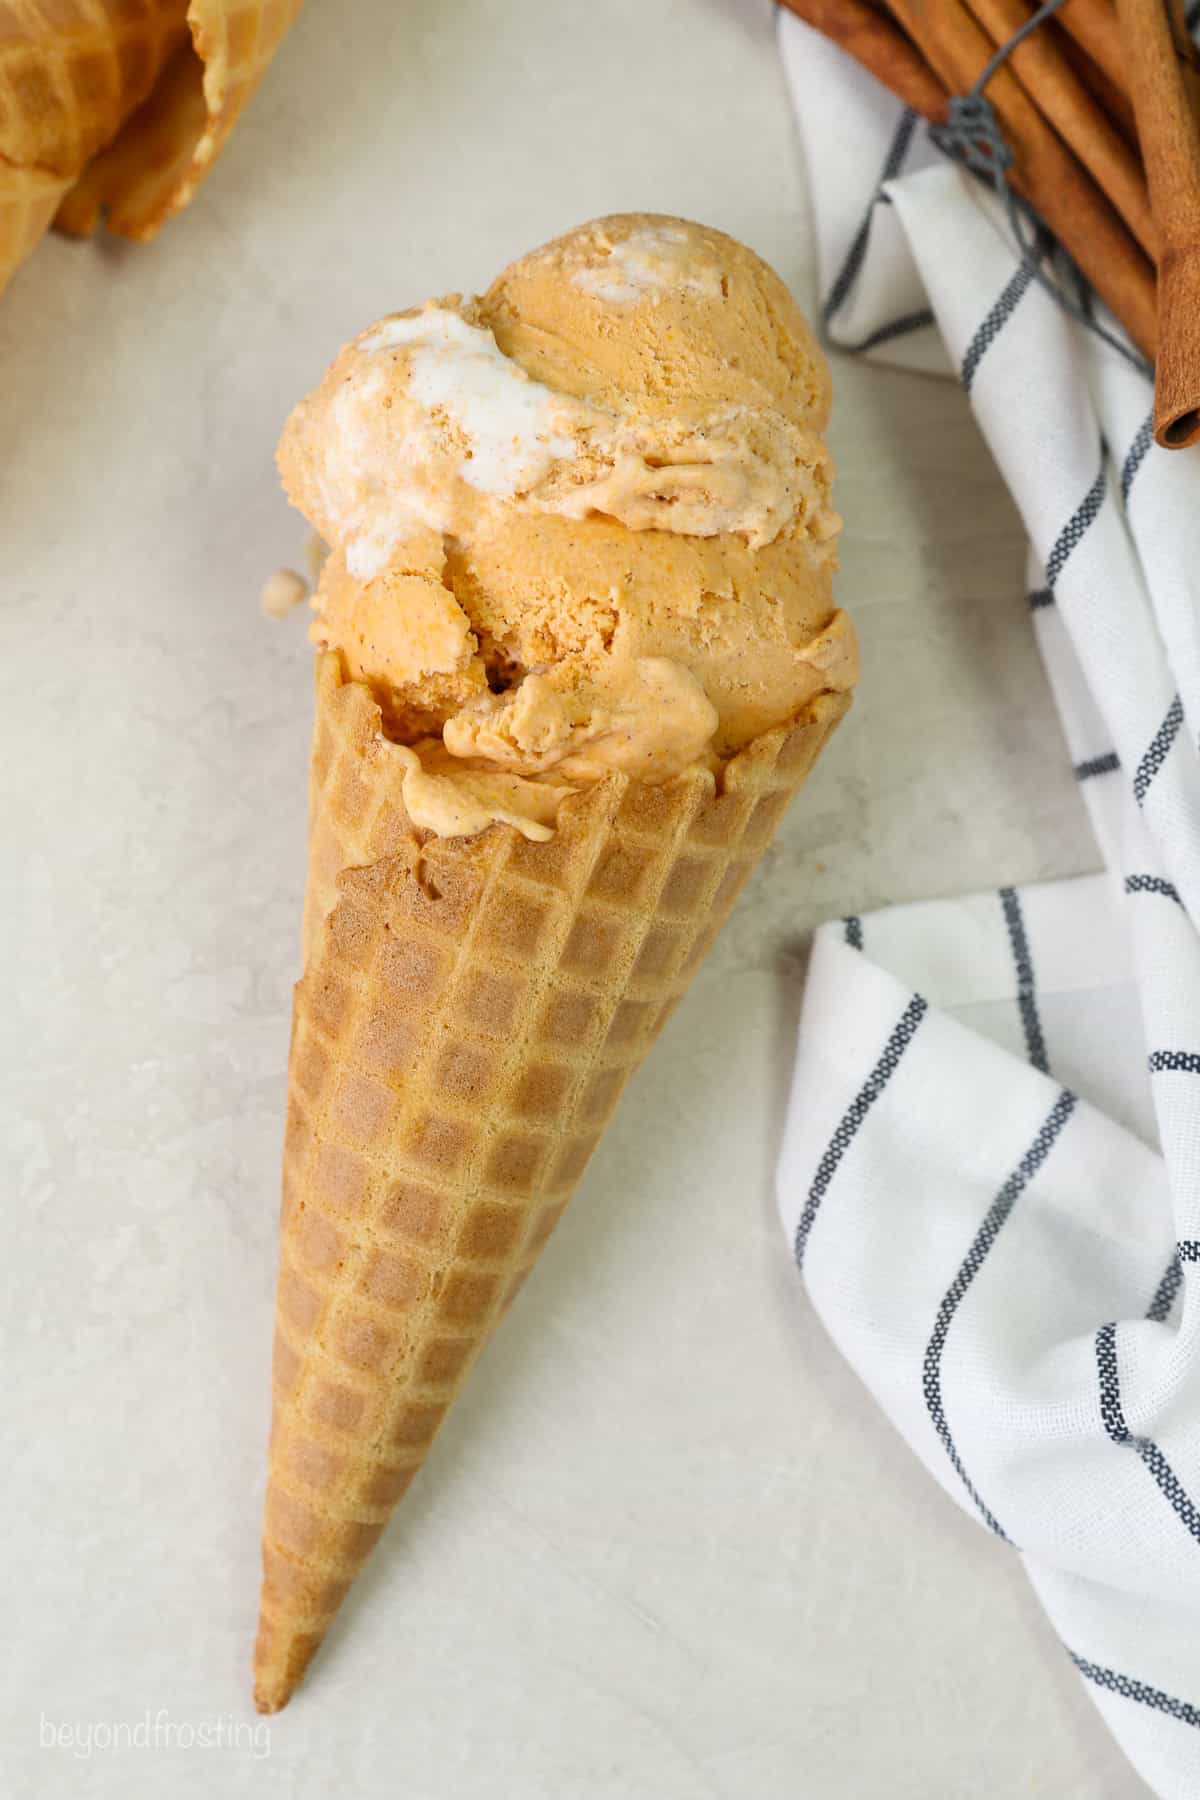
[
  {"x": 119, "y": 104},
  {"x": 71, "y": 72},
  {"x": 164, "y": 150},
  {"x": 469, "y": 1014}
]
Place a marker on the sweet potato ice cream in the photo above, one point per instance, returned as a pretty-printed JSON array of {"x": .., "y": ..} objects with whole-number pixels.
[
  {"x": 578, "y": 651},
  {"x": 581, "y": 523}
]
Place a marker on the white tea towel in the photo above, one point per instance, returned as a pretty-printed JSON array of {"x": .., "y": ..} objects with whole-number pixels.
[{"x": 991, "y": 1172}]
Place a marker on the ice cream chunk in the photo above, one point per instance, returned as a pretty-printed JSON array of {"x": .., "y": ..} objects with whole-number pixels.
[
  {"x": 425, "y": 405},
  {"x": 442, "y": 796},
  {"x": 583, "y": 522},
  {"x": 653, "y": 722},
  {"x": 281, "y": 592}
]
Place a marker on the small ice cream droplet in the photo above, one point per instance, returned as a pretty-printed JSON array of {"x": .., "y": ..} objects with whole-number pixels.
[{"x": 284, "y": 590}]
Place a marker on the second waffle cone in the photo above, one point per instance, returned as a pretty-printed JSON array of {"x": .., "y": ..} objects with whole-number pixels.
[{"x": 110, "y": 106}]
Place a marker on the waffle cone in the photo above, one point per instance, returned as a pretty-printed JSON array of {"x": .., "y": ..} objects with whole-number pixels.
[
  {"x": 108, "y": 104},
  {"x": 469, "y": 1013},
  {"x": 71, "y": 73},
  {"x": 166, "y": 147}
]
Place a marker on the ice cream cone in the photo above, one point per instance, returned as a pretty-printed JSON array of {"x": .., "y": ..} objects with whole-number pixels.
[
  {"x": 70, "y": 73},
  {"x": 104, "y": 104},
  {"x": 469, "y": 1013},
  {"x": 165, "y": 148},
  {"x": 579, "y": 650}
]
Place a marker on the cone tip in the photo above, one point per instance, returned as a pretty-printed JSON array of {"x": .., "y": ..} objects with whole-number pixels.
[
  {"x": 270, "y": 1700},
  {"x": 273, "y": 1688}
]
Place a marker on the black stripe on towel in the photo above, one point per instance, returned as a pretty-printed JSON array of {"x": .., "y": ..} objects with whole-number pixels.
[
  {"x": 1165, "y": 1292},
  {"x": 1002, "y": 311},
  {"x": 1107, "y": 764},
  {"x": 904, "y": 326},
  {"x": 1130, "y": 1689},
  {"x": 1152, "y": 884},
  {"x": 855, "y": 1113},
  {"x": 1076, "y": 527},
  {"x": 1188, "y": 1249},
  {"x": 1014, "y": 918},
  {"x": 1176, "y": 1062},
  {"x": 855, "y": 256},
  {"x": 997, "y": 1213},
  {"x": 1072, "y": 534},
  {"x": 1165, "y": 1478},
  {"x": 1160, "y": 747},
  {"x": 853, "y": 927},
  {"x": 1136, "y": 454}
]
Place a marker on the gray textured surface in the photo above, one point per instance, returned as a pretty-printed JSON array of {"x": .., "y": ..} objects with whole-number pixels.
[{"x": 665, "y": 1547}]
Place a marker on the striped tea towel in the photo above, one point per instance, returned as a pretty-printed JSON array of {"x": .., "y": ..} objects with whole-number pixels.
[{"x": 991, "y": 1173}]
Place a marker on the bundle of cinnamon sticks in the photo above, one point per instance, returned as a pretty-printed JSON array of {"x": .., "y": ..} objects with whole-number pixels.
[{"x": 1100, "y": 108}]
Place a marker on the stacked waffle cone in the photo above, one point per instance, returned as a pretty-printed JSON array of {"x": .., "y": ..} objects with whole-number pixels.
[
  {"x": 469, "y": 1013},
  {"x": 119, "y": 107}
]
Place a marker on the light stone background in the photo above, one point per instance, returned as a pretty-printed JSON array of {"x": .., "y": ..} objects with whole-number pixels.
[{"x": 666, "y": 1549}]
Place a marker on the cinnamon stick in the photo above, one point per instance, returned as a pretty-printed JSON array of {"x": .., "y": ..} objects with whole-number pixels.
[
  {"x": 1170, "y": 138},
  {"x": 1115, "y": 100},
  {"x": 1057, "y": 91},
  {"x": 879, "y": 46},
  {"x": 1185, "y": 50},
  {"x": 1044, "y": 170},
  {"x": 1181, "y": 37},
  {"x": 1095, "y": 27}
]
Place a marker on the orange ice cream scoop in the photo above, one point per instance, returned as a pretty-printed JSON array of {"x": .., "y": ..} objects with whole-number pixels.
[{"x": 582, "y": 522}]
